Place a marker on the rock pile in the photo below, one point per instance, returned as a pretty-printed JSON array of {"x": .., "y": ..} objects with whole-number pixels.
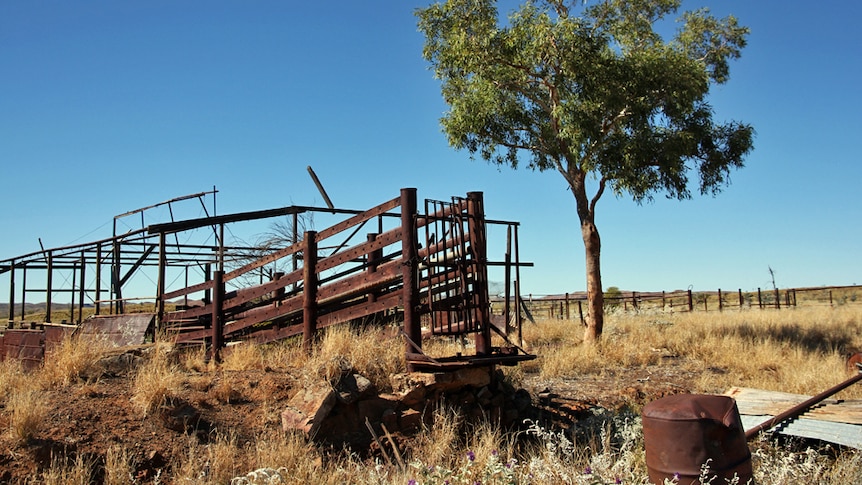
[{"x": 341, "y": 413}]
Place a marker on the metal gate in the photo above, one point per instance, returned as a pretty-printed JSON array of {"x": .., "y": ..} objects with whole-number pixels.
[{"x": 452, "y": 272}]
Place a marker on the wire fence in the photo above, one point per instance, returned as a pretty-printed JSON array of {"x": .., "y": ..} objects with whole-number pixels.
[{"x": 573, "y": 306}]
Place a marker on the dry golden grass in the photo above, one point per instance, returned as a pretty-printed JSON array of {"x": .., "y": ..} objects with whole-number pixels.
[
  {"x": 79, "y": 472},
  {"x": 795, "y": 350},
  {"x": 74, "y": 358},
  {"x": 28, "y": 412},
  {"x": 243, "y": 356},
  {"x": 343, "y": 349},
  {"x": 157, "y": 379},
  {"x": 12, "y": 378},
  {"x": 119, "y": 469},
  {"x": 439, "y": 441},
  {"x": 799, "y": 350}
]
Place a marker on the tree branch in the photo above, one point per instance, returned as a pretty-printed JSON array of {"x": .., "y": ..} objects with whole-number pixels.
[{"x": 602, "y": 184}]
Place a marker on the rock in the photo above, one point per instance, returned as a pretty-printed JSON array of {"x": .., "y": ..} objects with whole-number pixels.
[
  {"x": 375, "y": 408},
  {"x": 179, "y": 415},
  {"x": 522, "y": 400},
  {"x": 353, "y": 387},
  {"x": 410, "y": 420},
  {"x": 390, "y": 420},
  {"x": 308, "y": 408},
  {"x": 443, "y": 381},
  {"x": 115, "y": 365}
]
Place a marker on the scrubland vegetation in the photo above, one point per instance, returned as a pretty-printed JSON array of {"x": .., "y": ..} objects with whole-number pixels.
[{"x": 800, "y": 350}]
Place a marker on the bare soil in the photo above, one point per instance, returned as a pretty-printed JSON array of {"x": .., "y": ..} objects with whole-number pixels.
[{"x": 87, "y": 418}]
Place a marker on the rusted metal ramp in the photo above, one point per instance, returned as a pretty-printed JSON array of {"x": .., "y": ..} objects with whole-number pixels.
[
  {"x": 120, "y": 330},
  {"x": 427, "y": 269}
]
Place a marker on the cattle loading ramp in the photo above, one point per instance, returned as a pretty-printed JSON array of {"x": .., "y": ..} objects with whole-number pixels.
[{"x": 427, "y": 269}]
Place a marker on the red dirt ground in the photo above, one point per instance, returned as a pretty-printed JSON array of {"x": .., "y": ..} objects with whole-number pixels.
[{"x": 89, "y": 418}]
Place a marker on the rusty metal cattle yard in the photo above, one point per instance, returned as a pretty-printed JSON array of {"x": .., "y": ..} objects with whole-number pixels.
[{"x": 427, "y": 269}]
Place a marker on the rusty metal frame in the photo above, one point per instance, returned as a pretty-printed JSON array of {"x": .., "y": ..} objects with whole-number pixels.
[{"x": 385, "y": 272}]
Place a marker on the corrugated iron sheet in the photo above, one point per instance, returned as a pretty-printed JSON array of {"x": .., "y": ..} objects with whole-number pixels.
[
  {"x": 121, "y": 330},
  {"x": 835, "y": 421},
  {"x": 54, "y": 335},
  {"x": 24, "y": 345}
]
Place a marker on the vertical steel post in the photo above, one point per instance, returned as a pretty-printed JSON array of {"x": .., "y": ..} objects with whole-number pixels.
[
  {"x": 23, "y": 290},
  {"x": 371, "y": 268},
  {"x": 309, "y": 290},
  {"x": 207, "y": 277},
  {"x": 12, "y": 291},
  {"x": 410, "y": 271},
  {"x": 518, "y": 319},
  {"x": 118, "y": 289},
  {"x": 98, "y": 283},
  {"x": 479, "y": 248},
  {"x": 278, "y": 294},
  {"x": 160, "y": 284},
  {"x": 221, "y": 247},
  {"x": 186, "y": 285},
  {"x": 507, "y": 312},
  {"x": 83, "y": 288},
  {"x": 49, "y": 287},
  {"x": 72, "y": 293},
  {"x": 217, "y": 315},
  {"x": 293, "y": 240}
]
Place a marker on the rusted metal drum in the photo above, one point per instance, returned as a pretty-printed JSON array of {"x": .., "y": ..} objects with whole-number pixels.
[{"x": 683, "y": 432}]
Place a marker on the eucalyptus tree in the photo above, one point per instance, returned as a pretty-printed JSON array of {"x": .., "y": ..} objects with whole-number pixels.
[{"x": 600, "y": 97}]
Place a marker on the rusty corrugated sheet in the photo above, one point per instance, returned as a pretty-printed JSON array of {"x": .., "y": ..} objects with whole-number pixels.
[
  {"x": 121, "y": 330},
  {"x": 24, "y": 345},
  {"x": 54, "y": 335}
]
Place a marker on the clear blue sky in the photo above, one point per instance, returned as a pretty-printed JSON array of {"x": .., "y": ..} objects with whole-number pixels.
[{"x": 109, "y": 106}]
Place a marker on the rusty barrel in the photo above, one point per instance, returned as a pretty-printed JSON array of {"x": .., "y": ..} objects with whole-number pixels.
[{"x": 685, "y": 431}]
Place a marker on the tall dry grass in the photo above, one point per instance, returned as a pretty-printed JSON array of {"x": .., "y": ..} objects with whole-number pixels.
[
  {"x": 797, "y": 350},
  {"x": 157, "y": 379},
  {"x": 342, "y": 349}
]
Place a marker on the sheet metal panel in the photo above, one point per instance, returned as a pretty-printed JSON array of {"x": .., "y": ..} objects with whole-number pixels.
[
  {"x": 54, "y": 335},
  {"x": 26, "y": 346},
  {"x": 121, "y": 330}
]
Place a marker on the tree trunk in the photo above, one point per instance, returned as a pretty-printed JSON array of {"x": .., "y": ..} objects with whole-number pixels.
[
  {"x": 593, "y": 250},
  {"x": 595, "y": 297}
]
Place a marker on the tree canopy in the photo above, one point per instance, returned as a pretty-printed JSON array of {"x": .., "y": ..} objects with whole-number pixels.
[{"x": 599, "y": 95}]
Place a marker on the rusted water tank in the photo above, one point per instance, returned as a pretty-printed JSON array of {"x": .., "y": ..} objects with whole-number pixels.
[{"x": 683, "y": 432}]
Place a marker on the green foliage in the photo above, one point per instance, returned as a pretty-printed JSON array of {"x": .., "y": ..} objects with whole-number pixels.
[
  {"x": 602, "y": 93},
  {"x": 613, "y": 297}
]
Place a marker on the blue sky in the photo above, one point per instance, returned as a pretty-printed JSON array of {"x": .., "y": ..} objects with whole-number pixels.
[{"x": 109, "y": 106}]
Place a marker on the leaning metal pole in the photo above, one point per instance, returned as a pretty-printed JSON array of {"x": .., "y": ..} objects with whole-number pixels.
[{"x": 800, "y": 408}]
